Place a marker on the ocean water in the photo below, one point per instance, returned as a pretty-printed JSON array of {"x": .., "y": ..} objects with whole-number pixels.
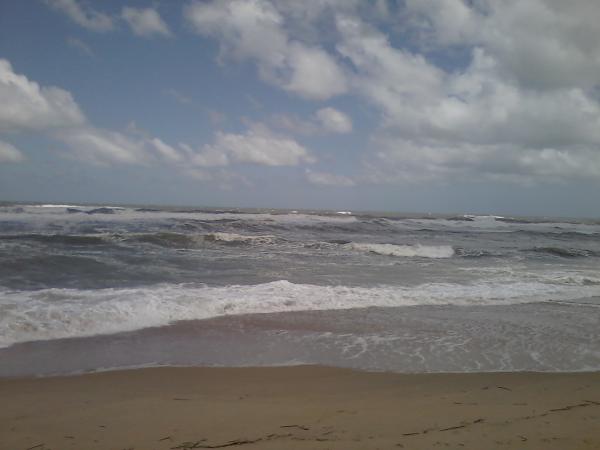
[{"x": 93, "y": 287}]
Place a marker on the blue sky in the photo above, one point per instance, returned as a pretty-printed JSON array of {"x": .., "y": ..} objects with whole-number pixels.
[{"x": 431, "y": 106}]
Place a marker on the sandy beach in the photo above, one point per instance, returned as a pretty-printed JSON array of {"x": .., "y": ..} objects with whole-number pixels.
[{"x": 300, "y": 407}]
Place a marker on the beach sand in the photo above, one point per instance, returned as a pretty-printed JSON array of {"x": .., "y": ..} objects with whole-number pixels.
[{"x": 303, "y": 407}]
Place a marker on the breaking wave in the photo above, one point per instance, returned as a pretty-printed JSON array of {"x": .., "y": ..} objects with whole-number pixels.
[
  {"x": 239, "y": 238},
  {"x": 422, "y": 251},
  {"x": 162, "y": 239},
  {"x": 61, "y": 313}
]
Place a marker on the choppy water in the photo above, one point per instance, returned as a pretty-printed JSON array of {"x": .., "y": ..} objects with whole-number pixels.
[{"x": 71, "y": 271}]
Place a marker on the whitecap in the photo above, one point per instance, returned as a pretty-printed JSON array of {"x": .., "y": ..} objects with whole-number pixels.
[
  {"x": 61, "y": 313},
  {"x": 422, "y": 251}
]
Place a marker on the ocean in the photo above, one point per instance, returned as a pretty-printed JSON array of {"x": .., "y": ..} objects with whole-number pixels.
[{"x": 95, "y": 287}]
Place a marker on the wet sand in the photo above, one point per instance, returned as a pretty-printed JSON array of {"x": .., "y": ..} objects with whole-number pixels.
[{"x": 305, "y": 407}]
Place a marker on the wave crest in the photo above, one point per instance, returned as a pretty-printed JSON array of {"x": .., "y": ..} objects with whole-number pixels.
[
  {"x": 422, "y": 251},
  {"x": 60, "y": 313},
  {"x": 233, "y": 238}
]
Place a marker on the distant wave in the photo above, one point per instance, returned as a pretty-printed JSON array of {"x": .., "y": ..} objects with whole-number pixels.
[
  {"x": 184, "y": 240},
  {"x": 561, "y": 234},
  {"x": 422, "y": 251},
  {"x": 101, "y": 210},
  {"x": 54, "y": 206},
  {"x": 565, "y": 252},
  {"x": 60, "y": 313},
  {"x": 163, "y": 239},
  {"x": 67, "y": 239},
  {"x": 475, "y": 252},
  {"x": 239, "y": 238}
]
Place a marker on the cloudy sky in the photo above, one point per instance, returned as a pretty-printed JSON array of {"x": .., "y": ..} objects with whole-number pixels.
[{"x": 485, "y": 106}]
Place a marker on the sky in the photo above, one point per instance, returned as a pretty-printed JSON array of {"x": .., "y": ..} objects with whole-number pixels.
[{"x": 450, "y": 106}]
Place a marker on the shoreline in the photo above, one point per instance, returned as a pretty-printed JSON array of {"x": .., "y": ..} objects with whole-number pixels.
[
  {"x": 103, "y": 370},
  {"x": 416, "y": 339},
  {"x": 299, "y": 407}
]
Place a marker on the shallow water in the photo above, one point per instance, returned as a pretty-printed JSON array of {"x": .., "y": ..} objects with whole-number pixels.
[{"x": 505, "y": 293}]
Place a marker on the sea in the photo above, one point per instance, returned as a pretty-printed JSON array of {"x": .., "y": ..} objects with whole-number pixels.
[{"x": 88, "y": 288}]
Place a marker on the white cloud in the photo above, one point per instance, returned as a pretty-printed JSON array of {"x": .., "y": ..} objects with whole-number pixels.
[
  {"x": 25, "y": 105},
  {"x": 9, "y": 153},
  {"x": 212, "y": 155},
  {"x": 402, "y": 84},
  {"x": 83, "y": 15},
  {"x": 478, "y": 122},
  {"x": 520, "y": 104},
  {"x": 448, "y": 22},
  {"x": 334, "y": 121},
  {"x": 524, "y": 106},
  {"x": 100, "y": 146},
  {"x": 255, "y": 30},
  {"x": 295, "y": 125},
  {"x": 106, "y": 147},
  {"x": 313, "y": 73},
  {"x": 145, "y": 22},
  {"x": 329, "y": 179},
  {"x": 258, "y": 145},
  {"x": 400, "y": 160},
  {"x": 544, "y": 44},
  {"x": 166, "y": 151}
]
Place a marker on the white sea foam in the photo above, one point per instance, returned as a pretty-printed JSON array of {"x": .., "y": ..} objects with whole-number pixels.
[
  {"x": 36, "y": 217},
  {"x": 59, "y": 313},
  {"x": 83, "y": 207},
  {"x": 50, "y": 205},
  {"x": 423, "y": 251},
  {"x": 240, "y": 238}
]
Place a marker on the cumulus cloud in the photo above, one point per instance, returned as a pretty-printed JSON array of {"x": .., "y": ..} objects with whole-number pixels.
[
  {"x": 145, "y": 22},
  {"x": 520, "y": 104},
  {"x": 100, "y": 146},
  {"x": 258, "y": 145},
  {"x": 295, "y": 125},
  {"x": 543, "y": 44},
  {"x": 25, "y": 105},
  {"x": 9, "y": 153},
  {"x": 409, "y": 161},
  {"x": 478, "y": 121},
  {"x": 83, "y": 15},
  {"x": 329, "y": 179},
  {"x": 166, "y": 151},
  {"x": 401, "y": 83},
  {"x": 334, "y": 121},
  {"x": 255, "y": 30},
  {"x": 133, "y": 146}
]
